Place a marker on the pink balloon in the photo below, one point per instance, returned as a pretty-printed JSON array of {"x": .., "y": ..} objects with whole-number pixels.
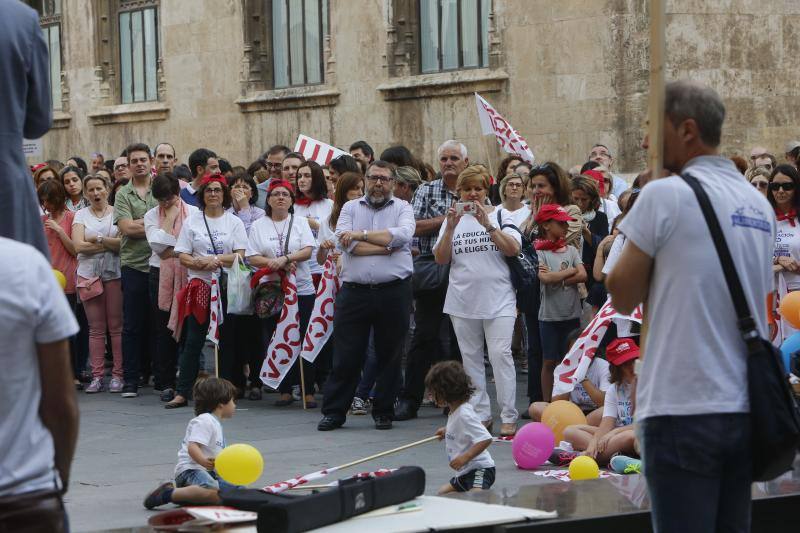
[{"x": 532, "y": 445}]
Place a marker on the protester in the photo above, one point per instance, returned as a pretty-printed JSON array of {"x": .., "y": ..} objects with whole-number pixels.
[
  {"x": 344, "y": 163},
  {"x": 596, "y": 227},
  {"x": 792, "y": 152},
  {"x": 289, "y": 167},
  {"x": 244, "y": 192},
  {"x": 120, "y": 183},
  {"x": 131, "y": 203},
  {"x": 615, "y": 433},
  {"x": 691, "y": 412},
  {"x": 602, "y": 155},
  {"x": 760, "y": 157},
  {"x": 480, "y": 298},
  {"x": 512, "y": 188},
  {"x": 408, "y": 181},
  {"x": 785, "y": 200},
  {"x": 312, "y": 203},
  {"x": 467, "y": 439},
  {"x": 121, "y": 170},
  {"x": 431, "y": 202},
  {"x": 282, "y": 241},
  {"x": 96, "y": 240},
  {"x": 72, "y": 179},
  {"x": 549, "y": 184},
  {"x": 39, "y": 428},
  {"x": 98, "y": 163},
  {"x": 201, "y": 162},
  {"x": 362, "y": 152},
  {"x": 560, "y": 271},
  {"x": 207, "y": 243},
  {"x": 506, "y": 168},
  {"x": 165, "y": 157},
  {"x": 78, "y": 162},
  {"x": 272, "y": 162},
  {"x": 162, "y": 225},
  {"x": 374, "y": 233},
  {"x": 196, "y": 481},
  {"x": 523, "y": 170},
  {"x": 759, "y": 177},
  {"x": 43, "y": 173}
]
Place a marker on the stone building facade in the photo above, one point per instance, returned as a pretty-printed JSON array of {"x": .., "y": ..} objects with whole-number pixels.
[{"x": 565, "y": 73}]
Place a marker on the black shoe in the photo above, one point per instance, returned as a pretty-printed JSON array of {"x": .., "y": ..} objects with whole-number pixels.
[
  {"x": 144, "y": 381},
  {"x": 404, "y": 411},
  {"x": 130, "y": 390},
  {"x": 329, "y": 423},
  {"x": 383, "y": 422},
  {"x": 156, "y": 498}
]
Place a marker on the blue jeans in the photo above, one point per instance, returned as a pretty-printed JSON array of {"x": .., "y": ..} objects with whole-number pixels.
[
  {"x": 202, "y": 478},
  {"x": 554, "y": 337},
  {"x": 135, "y": 323},
  {"x": 698, "y": 471}
]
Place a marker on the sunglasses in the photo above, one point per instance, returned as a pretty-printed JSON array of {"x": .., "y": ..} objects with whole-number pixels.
[{"x": 774, "y": 186}]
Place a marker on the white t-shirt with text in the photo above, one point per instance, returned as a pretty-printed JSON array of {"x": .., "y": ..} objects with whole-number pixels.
[
  {"x": 318, "y": 211},
  {"x": 206, "y": 431},
  {"x": 619, "y": 404},
  {"x": 599, "y": 375},
  {"x": 227, "y": 231},
  {"x": 265, "y": 241},
  {"x": 463, "y": 431},
  {"x": 787, "y": 244}
]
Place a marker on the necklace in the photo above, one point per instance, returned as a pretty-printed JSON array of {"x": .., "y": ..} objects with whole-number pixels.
[
  {"x": 280, "y": 233},
  {"x": 98, "y": 216}
]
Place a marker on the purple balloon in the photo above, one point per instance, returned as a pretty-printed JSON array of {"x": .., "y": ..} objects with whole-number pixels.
[{"x": 532, "y": 445}]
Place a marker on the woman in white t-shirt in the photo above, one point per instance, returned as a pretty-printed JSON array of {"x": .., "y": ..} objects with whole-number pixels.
[
  {"x": 480, "y": 298},
  {"x": 350, "y": 186},
  {"x": 95, "y": 238},
  {"x": 206, "y": 245},
  {"x": 281, "y": 240},
  {"x": 312, "y": 203},
  {"x": 512, "y": 188},
  {"x": 615, "y": 434},
  {"x": 785, "y": 199}
]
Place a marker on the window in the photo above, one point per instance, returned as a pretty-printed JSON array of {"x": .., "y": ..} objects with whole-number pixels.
[
  {"x": 453, "y": 34},
  {"x": 138, "y": 52},
  {"x": 299, "y": 28},
  {"x": 50, "y": 19}
]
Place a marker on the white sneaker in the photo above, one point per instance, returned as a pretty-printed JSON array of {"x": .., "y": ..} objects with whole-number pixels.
[
  {"x": 358, "y": 407},
  {"x": 296, "y": 393}
]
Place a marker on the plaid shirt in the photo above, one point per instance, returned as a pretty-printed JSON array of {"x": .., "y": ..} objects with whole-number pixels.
[{"x": 431, "y": 200}]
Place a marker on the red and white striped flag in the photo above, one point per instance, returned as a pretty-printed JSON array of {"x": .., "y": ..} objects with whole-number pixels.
[
  {"x": 215, "y": 315},
  {"x": 275, "y": 488},
  {"x": 320, "y": 325},
  {"x": 317, "y": 151},
  {"x": 507, "y": 137},
  {"x": 286, "y": 342}
]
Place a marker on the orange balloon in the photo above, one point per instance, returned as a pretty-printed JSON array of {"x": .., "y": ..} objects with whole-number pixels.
[
  {"x": 560, "y": 414},
  {"x": 790, "y": 308}
]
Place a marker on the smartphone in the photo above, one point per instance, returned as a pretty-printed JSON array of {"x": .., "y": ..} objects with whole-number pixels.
[{"x": 463, "y": 208}]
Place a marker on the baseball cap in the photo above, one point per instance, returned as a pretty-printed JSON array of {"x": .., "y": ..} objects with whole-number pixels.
[
  {"x": 621, "y": 350},
  {"x": 552, "y": 212}
]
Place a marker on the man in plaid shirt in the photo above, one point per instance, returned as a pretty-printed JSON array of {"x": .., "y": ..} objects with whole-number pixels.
[{"x": 431, "y": 202}]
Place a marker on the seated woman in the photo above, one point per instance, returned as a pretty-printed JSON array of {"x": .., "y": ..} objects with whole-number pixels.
[
  {"x": 589, "y": 394},
  {"x": 615, "y": 434}
]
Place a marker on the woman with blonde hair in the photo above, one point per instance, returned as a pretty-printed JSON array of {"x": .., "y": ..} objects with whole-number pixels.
[{"x": 480, "y": 298}]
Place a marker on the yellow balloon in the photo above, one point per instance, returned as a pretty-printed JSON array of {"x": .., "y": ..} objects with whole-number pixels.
[
  {"x": 790, "y": 308},
  {"x": 61, "y": 279},
  {"x": 239, "y": 464},
  {"x": 583, "y": 467},
  {"x": 560, "y": 414}
]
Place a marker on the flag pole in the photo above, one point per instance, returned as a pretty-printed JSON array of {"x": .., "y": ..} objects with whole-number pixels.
[{"x": 302, "y": 382}]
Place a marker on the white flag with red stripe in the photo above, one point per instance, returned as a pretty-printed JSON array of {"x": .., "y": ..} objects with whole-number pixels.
[
  {"x": 320, "y": 325},
  {"x": 575, "y": 364},
  {"x": 286, "y": 342},
  {"x": 493, "y": 123},
  {"x": 215, "y": 314},
  {"x": 317, "y": 151}
]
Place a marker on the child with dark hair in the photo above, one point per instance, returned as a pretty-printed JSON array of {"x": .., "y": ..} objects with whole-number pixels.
[
  {"x": 466, "y": 437},
  {"x": 195, "y": 479}
]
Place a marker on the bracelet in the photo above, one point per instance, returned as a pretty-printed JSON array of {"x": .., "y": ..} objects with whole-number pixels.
[{"x": 491, "y": 229}]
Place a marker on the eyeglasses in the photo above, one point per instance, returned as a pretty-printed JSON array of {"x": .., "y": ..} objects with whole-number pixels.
[
  {"x": 280, "y": 194},
  {"x": 382, "y": 179},
  {"x": 120, "y": 166},
  {"x": 761, "y": 184},
  {"x": 272, "y": 165},
  {"x": 513, "y": 185},
  {"x": 788, "y": 186},
  {"x": 215, "y": 190}
]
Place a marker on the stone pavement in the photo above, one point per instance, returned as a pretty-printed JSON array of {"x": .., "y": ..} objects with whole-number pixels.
[{"x": 128, "y": 446}]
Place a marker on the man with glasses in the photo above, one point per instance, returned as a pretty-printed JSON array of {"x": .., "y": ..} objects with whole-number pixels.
[
  {"x": 602, "y": 155},
  {"x": 375, "y": 235},
  {"x": 165, "y": 158},
  {"x": 121, "y": 168},
  {"x": 431, "y": 202},
  {"x": 130, "y": 205},
  {"x": 273, "y": 160}
]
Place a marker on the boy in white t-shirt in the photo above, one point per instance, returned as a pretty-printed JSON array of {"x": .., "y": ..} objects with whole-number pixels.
[
  {"x": 466, "y": 438},
  {"x": 195, "y": 479}
]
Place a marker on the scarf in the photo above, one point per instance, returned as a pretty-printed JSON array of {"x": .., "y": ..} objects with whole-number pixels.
[
  {"x": 194, "y": 299},
  {"x": 303, "y": 200},
  {"x": 547, "y": 244},
  {"x": 589, "y": 216},
  {"x": 172, "y": 275},
  {"x": 790, "y": 216}
]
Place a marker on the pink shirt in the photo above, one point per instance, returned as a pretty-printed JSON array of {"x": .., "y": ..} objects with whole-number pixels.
[{"x": 60, "y": 258}]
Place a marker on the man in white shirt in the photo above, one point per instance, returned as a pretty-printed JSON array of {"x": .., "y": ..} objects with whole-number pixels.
[
  {"x": 692, "y": 408},
  {"x": 602, "y": 155},
  {"x": 39, "y": 424}
]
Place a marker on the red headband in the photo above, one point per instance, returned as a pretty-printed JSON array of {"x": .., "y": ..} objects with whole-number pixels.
[
  {"x": 599, "y": 178},
  {"x": 211, "y": 178},
  {"x": 36, "y": 167},
  {"x": 274, "y": 184}
]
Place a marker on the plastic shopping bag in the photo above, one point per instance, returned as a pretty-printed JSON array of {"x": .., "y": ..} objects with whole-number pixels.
[{"x": 240, "y": 296}]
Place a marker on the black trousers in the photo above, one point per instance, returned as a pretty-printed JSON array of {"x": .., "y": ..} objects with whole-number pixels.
[
  {"x": 165, "y": 360},
  {"x": 385, "y": 308},
  {"x": 425, "y": 349}
]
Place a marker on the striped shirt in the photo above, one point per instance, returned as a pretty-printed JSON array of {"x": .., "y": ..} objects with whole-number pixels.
[{"x": 431, "y": 200}]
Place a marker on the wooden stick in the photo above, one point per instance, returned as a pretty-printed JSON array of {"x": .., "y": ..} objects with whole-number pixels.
[
  {"x": 312, "y": 487},
  {"x": 216, "y": 360},
  {"x": 387, "y": 452},
  {"x": 302, "y": 383}
]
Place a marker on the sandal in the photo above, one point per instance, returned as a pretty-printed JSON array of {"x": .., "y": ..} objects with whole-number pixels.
[
  {"x": 175, "y": 403},
  {"x": 311, "y": 403},
  {"x": 508, "y": 429},
  {"x": 283, "y": 402}
]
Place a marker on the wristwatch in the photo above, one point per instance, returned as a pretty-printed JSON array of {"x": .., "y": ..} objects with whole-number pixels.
[
  {"x": 491, "y": 229},
  {"x": 364, "y": 235}
]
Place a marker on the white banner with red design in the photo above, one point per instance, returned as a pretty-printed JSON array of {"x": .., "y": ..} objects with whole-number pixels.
[
  {"x": 493, "y": 123},
  {"x": 573, "y": 368},
  {"x": 320, "y": 325},
  {"x": 215, "y": 314},
  {"x": 318, "y": 151},
  {"x": 284, "y": 347},
  {"x": 298, "y": 481}
]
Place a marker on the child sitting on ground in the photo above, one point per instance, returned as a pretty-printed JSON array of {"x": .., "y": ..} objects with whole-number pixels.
[
  {"x": 615, "y": 434},
  {"x": 466, "y": 437},
  {"x": 195, "y": 479},
  {"x": 589, "y": 394}
]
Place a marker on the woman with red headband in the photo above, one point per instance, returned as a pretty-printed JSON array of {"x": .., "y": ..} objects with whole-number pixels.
[
  {"x": 282, "y": 242},
  {"x": 207, "y": 243}
]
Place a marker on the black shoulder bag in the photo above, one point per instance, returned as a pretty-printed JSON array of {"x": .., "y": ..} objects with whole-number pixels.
[
  {"x": 524, "y": 268},
  {"x": 774, "y": 418}
]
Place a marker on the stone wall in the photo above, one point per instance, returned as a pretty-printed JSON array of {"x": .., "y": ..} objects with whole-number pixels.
[{"x": 565, "y": 73}]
